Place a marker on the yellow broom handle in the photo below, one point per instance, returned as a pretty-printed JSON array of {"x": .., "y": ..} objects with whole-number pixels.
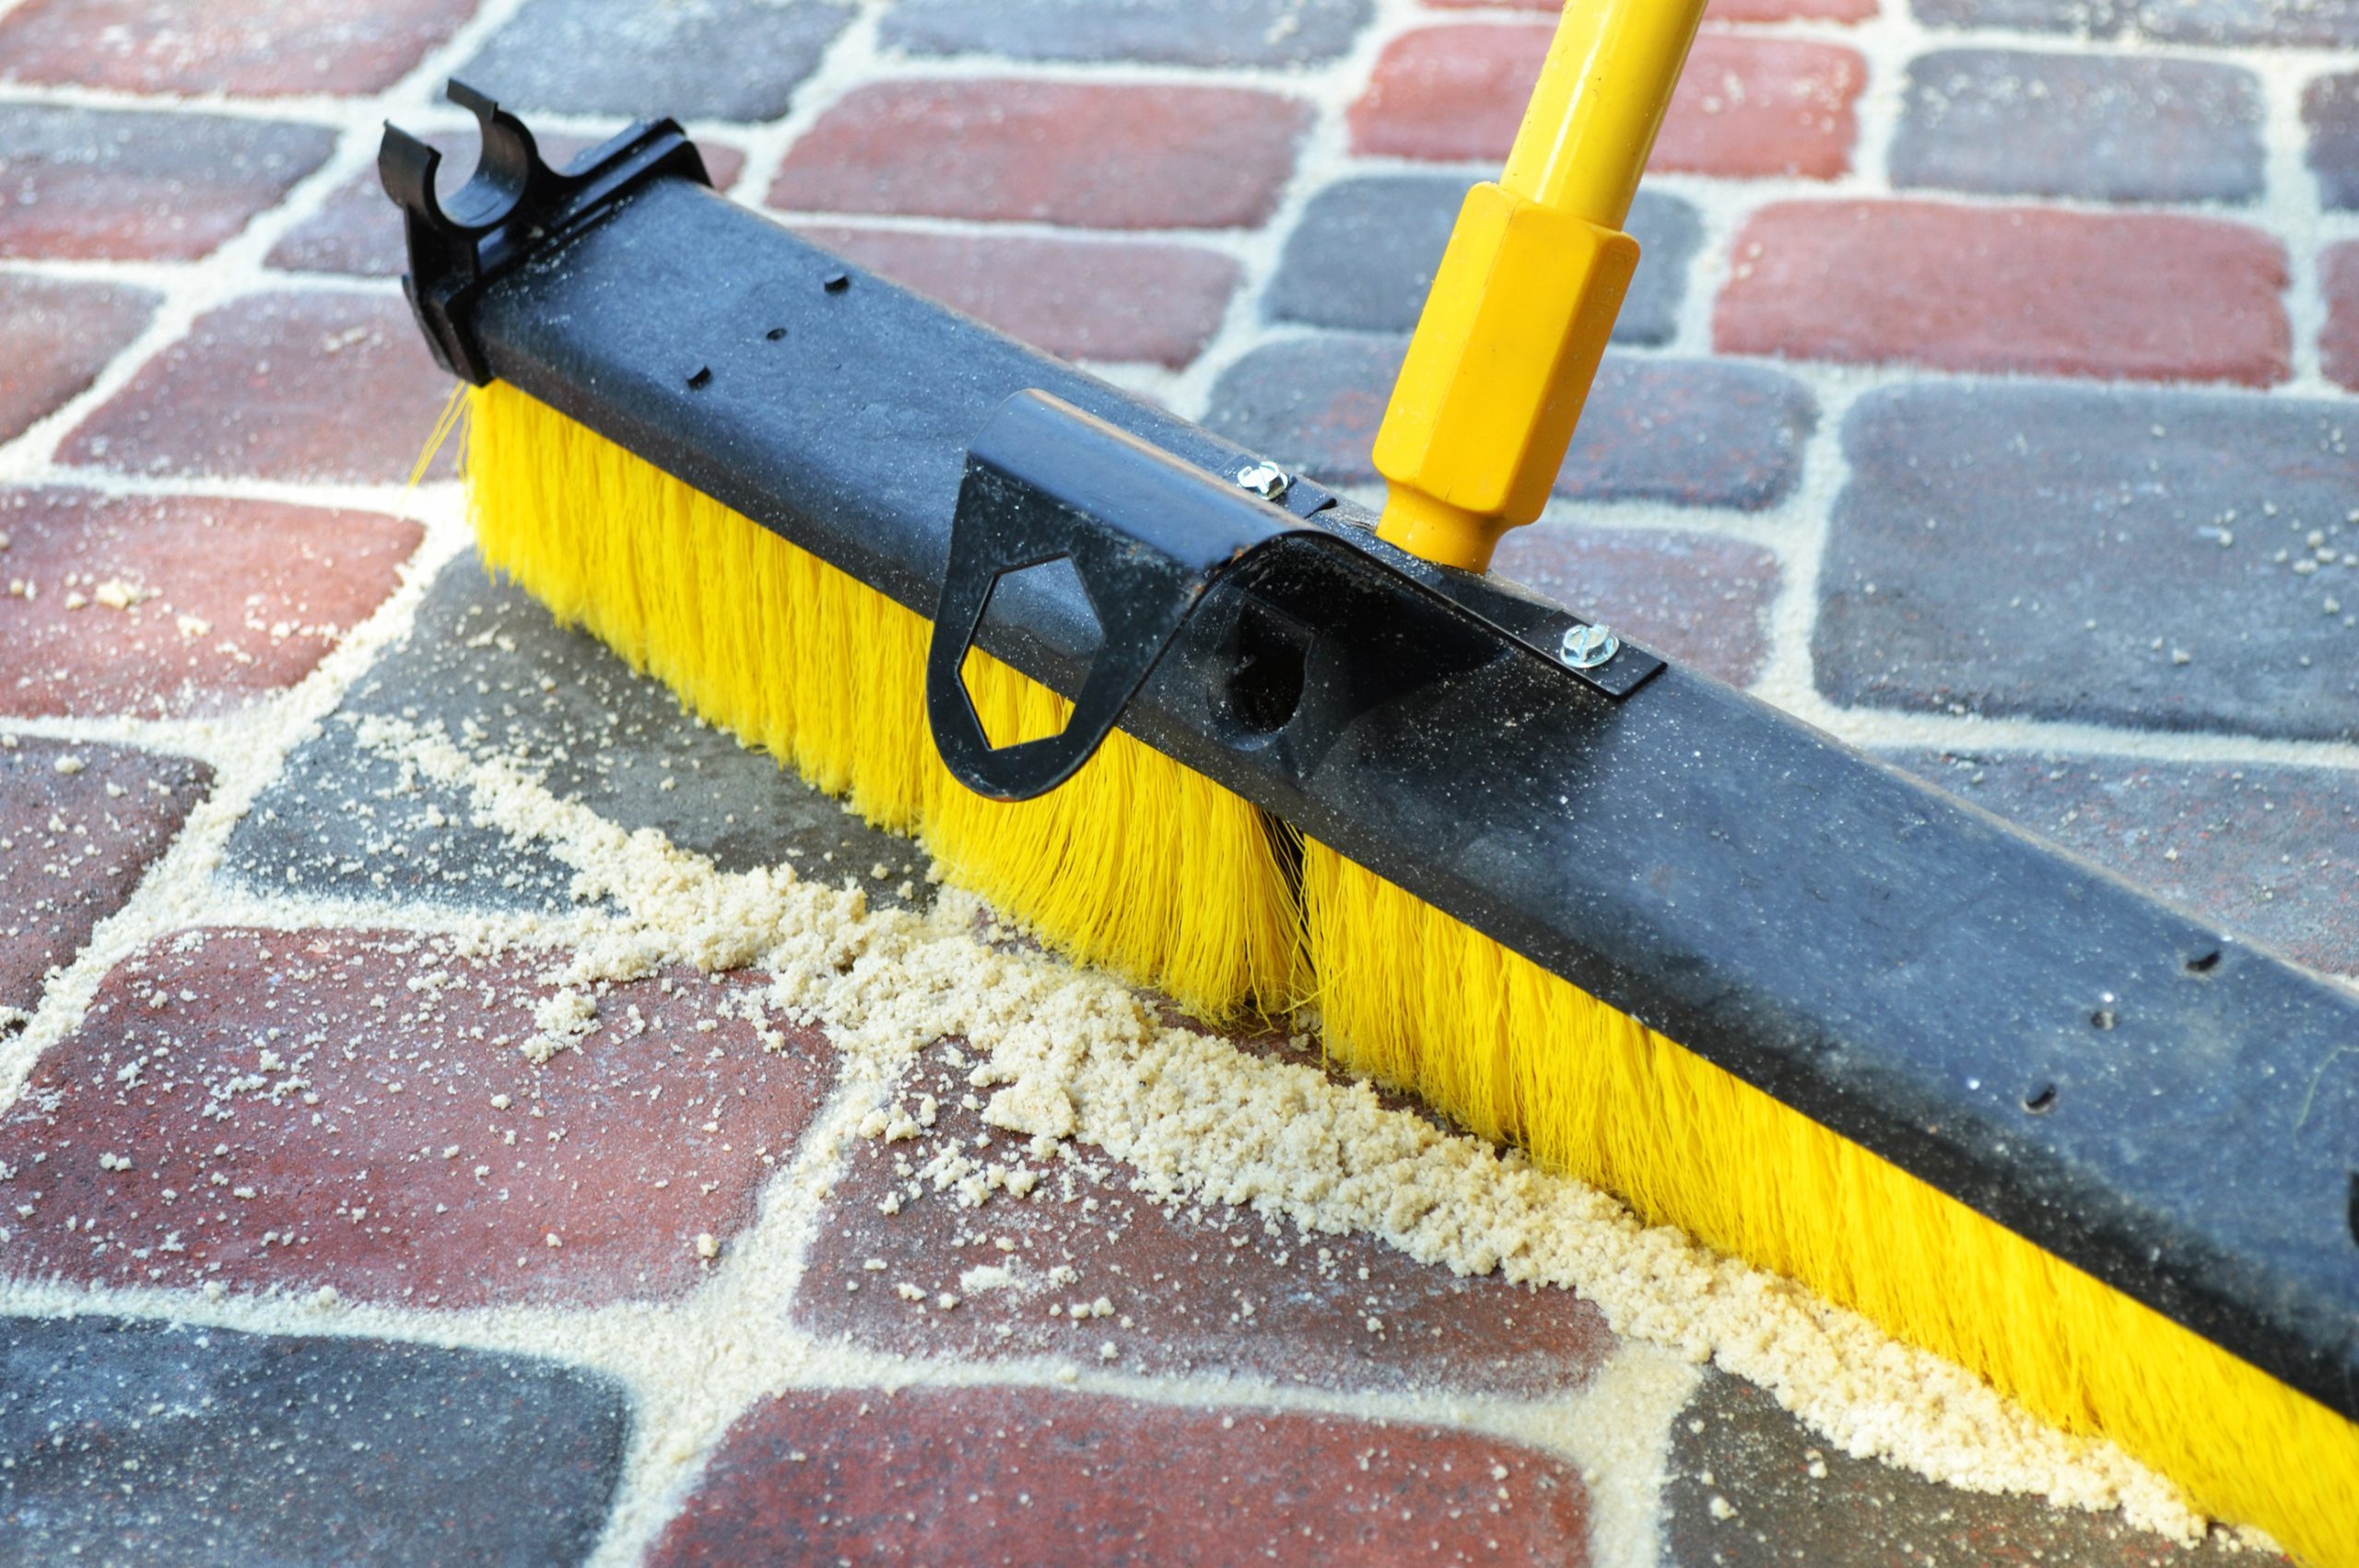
[
  {"x": 1601, "y": 98},
  {"x": 1525, "y": 296}
]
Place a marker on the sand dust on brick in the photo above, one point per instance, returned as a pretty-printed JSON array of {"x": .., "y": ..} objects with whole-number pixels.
[{"x": 1068, "y": 1058}]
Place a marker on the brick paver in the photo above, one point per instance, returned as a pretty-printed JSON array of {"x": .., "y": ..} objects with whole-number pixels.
[
  {"x": 168, "y": 606},
  {"x": 318, "y": 386},
  {"x": 2152, "y": 559},
  {"x": 79, "y": 827},
  {"x": 1364, "y": 252},
  {"x": 2098, "y": 127},
  {"x": 1699, "y": 597},
  {"x": 1692, "y": 432},
  {"x": 715, "y": 60},
  {"x": 164, "y": 1442},
  {"x": 2016, "y": 288},
  {"x": 1747, "y": 106},
  {"x": 2265, "y": 852},
  {"x": 288, "y": 1110},
  {"x": 1061, "y": 1260},
  {"x": 1721, "y": 10},
  {"x": 1113, "y": 300},
  {"x": 1750, "y": 1484},
  {"x": 1212, "y": 32},
  {"x": 258, "y": 47},
  {"x": 2339, "y": 342},
  {"x": 89, "y": 182},
  {"x": 997, "y": 1474},
  {"x": 1968, "y": 376},
  {"x": 1049, "y": 152},
  {"x": 2330, "y": 110},
  {"x": 484, "y": 664},
  {"x": 55, "y": 337}
]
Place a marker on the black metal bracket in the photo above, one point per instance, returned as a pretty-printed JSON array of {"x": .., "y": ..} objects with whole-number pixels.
[
  {"x": 512, "y": 204},
  {"x": 1151, "y": 537}
]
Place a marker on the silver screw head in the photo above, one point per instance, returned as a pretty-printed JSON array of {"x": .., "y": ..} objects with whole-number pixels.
[
  {"x": 1266, "y": 480},
  {"x": 1585, "y": 647}
]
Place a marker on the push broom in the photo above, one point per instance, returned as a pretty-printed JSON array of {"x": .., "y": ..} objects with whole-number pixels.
[{"x": 1207, "y": 724}]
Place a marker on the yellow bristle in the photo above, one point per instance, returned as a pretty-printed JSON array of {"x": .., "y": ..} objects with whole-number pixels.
[
  {"x": 1138, "y": 865},
  {"x": 1422, "y": 1002}
]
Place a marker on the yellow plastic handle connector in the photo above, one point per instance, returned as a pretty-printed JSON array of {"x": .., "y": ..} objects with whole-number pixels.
[{"x": 1526, "y": 295}]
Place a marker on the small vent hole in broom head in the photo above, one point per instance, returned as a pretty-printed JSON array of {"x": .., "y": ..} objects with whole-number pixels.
[
  {"x": 700, "y": 379},
  {"x": 1268, "y": 657},
  {"x": 2203, "y": 963},
  {"x": 2354, "y": 1207},
  {"x": 2041, "y": 1101}
]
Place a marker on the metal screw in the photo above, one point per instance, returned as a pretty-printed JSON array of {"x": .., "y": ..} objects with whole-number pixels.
[
  {"x": 1266, "y": 480},
  {"x": 1585, "y": 647}
]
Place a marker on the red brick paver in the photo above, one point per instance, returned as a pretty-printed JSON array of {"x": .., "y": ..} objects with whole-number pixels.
[
  {"x": 1746, "y": 106},
  {"x": 1049, "y": 152},
  {"x": 1718, "y": 10},
  {"x": 2339, "y": 341},
  {"x": 1184, "y": 1289},
  {"x": 2013, "y": 288},
  {"x": 291, "y": 1109},
  {"x": 89, "y": 182},
  {"x": 316, "y": 385},
  {"x": 162, "y": 606},
  {"x": 1694, "y": 597},
  {"x": 55, "y": 337},
  {"x": 991, "y": 1475},
  {"x": 258, "y": 48},
  {"x": 79, "y": 827},
  {"x": 1116, "y": 300}
]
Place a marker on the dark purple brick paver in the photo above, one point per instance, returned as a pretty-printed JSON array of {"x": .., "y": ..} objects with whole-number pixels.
[
  {"x": 991, "y": 1475},
  {"x": 219, "y": 599},
  {"x": 2090, "y": 19},
  {"x": 286, "y": 1110},
  {"x": 2290, "y": 24},
  {"x": 2093, "y": 126},
  {"x": 358, "y": 232},
  {"x": 1105, "y": 300},
  {"x": 1215, "y": 1290},
  {"x": 56, "y": 336},
  {"x": 322, "y": 384},
  {"x": 132, "y": 1442},
  {"x": 79, "y": 827},
  {"x": 1204, "y": 32},
  {"x": 487, "y": 666},
  {"x": 1693, "y": 432},
  {"x": 2271, "y": 853},
  {"x": 1364, "y": 253},
  {"x": 1702, "y": 600},
  {"x": 2330, "y": 110},
  {"x": 1750, "y": 1485},
  {"x": 96, "y": 182},
  {"x": 2151, "y": 560},
  {"x": 1082, "y": 155},
  {"x": 253, "y": 48},
  {"x": 740, "y": 60},
  {"x": 2295, "y": 24}
]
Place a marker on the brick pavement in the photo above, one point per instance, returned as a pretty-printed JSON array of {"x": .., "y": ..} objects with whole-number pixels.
[{"x": 1982, "y": 398}]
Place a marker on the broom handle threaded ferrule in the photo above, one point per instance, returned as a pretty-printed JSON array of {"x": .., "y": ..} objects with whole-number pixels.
[{"x": 1525, "y": 298}]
